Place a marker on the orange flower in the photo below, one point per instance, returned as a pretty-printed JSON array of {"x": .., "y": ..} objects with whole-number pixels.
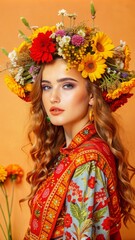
[
  {"x": 3, "y": 174},
  {"x": 15, "y": 172},
  {"x": 127, "y": 57}
]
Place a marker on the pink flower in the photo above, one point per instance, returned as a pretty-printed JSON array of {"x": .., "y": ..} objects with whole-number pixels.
[
  {"x": 77, "y": 40},
  {"x": 60, "y": 33}
]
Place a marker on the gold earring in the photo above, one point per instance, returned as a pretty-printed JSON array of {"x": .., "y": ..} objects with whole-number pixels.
[{"x": 91, "y": 115}]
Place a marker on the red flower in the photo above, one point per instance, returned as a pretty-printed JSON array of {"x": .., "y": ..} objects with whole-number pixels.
[
  {"x": 100, "y": 237},
  {"x": 106, "y": 224},
  {"x": 69, "y": 198},
  {"x": 91, "y": 182},
  {"x": 42, "y": 48},
  {"x": 101, "y": 205},
  {"x": 68, "y": 236},
  {"x": 67, "y": 220},
  {"x": 118, "y": 102}
]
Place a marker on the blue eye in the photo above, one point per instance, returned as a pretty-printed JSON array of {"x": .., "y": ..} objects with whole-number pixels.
[
  {"x": 45, "y": 87},
  {"x": 68, "y": 86}
]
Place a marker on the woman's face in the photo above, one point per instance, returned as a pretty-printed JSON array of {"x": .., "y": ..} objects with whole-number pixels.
[{"x": 65, "y": 96}]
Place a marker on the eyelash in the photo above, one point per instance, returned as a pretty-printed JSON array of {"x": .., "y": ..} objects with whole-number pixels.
[
  {"x": 68, "y": 86},
  {"x": 45, "y": 87},
  {"x": 65, "y": 86}
]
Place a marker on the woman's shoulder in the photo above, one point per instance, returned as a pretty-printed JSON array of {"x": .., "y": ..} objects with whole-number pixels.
[
  {"x": 93, "y": 146},
  {"x": 98, "y": 151}
]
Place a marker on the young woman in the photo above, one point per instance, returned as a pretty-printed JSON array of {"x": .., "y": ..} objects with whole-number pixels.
[{"x": 80, "y": 184}]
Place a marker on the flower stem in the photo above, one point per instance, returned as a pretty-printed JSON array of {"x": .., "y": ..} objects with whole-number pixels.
[
  {"x": 3, "y": 232},
  {"x": 3, "y": 216},
  {"x": 9, "y": 214}
]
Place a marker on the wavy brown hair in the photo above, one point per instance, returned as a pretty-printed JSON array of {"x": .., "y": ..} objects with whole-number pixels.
[{"x": 46, "y": 139}]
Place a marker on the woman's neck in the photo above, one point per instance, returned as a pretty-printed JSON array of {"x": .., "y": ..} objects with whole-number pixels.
[{"x": 70, "y": 132}]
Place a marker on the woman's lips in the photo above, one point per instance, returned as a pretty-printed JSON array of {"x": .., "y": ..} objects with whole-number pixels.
[{"x": 56, "y": 111}]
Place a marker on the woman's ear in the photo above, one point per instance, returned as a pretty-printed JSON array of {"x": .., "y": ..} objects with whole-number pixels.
[{"x": 91, "y": 99}]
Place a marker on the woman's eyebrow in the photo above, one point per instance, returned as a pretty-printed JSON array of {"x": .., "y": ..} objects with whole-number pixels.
[{"x": 60, "y": 80}]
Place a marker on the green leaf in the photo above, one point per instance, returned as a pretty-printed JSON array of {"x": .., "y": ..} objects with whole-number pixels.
[
  {"x": 22, "y": 35},
  {"x": 75, "y": 210},
  {"x": 83, "y": 215},
  {"x": 25, "y": 22},
  {"x": 4, "y": 51},
  {"x": 99, "y": 214},
  {"x": 85, "y": 226},
  {"x": 81, "y": 169}
]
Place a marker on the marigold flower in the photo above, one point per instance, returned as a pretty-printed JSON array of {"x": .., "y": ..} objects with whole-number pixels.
[
  {"x": 124, "y": 88},
  {"x": 14, "y": 86},
  {"x": 28, "y": 87},
  {"x": 14, "y": 171},
  {"x": 127, "y": 57},
  {"x": 3, "y": 174},
  {"x": 42, "y": 48}
]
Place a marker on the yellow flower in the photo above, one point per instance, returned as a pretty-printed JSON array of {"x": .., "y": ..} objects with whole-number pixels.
[
  {"x": 124, "y": 88},
  {"x": 102, "y": 45},
  {"x": 24, "y": 46},
  {"x": 14, "y": 86},
  {"x": 3, "y": 174},
  {"x": 28, "y": 87},
  {"x": 42, "y": 30},
  {"x": 127, "y": 86},
  {"x": 92, "y": 66},
  {"x": 127, "y": 57}
]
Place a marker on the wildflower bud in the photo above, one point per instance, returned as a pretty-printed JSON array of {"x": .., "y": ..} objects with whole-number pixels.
[
  {"x": 92, "y": 9},
  {"x": 4, "y": 51},
  {"x": 25, "y": 22}
]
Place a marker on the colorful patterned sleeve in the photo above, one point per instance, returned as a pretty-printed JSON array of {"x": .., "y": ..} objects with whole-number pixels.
[{"x": 87, "y": 211}]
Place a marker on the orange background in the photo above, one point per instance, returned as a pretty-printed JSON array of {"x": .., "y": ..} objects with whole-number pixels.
[{"x": 116, "y": 18}]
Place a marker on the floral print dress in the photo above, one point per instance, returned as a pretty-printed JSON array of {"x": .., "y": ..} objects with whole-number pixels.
[
  {"x": 79, "y": 200},
  {"x": 87, "y": 212}
]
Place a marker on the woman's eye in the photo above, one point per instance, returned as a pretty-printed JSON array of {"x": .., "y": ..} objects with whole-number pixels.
[
  {"x": 45, "y": 87},
  {"x": 68, "y": 86}
]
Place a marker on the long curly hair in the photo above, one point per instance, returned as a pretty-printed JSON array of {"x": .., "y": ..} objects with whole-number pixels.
[{"x": 44, "y": 147}]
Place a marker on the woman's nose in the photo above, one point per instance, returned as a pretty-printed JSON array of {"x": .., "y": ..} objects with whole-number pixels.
[{"x": 55, "y": 98}]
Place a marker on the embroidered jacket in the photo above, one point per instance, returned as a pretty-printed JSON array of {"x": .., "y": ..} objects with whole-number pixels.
[{"x": 79, "y": 199}]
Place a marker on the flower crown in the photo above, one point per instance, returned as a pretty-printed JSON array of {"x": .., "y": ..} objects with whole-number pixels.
[{"x": 88, "y": 49}]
